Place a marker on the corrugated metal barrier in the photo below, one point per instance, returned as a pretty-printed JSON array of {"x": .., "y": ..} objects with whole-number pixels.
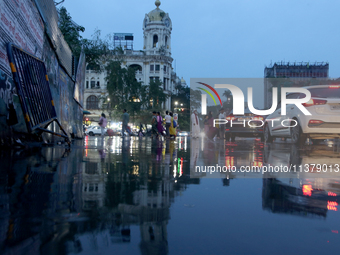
[{"x": 33, "y": 89}]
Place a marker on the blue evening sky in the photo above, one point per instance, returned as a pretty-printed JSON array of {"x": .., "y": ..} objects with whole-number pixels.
[{"x": 224, "y": 38}]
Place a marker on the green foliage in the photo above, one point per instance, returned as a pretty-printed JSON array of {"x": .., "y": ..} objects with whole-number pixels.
[
  {"x": 195, "y": 99},
  {"x": 125, "y": 92},
  {"x": 96, "y": 50},
  {"x": 155, "y": 95},
  {"x": 183, "y": 97},
  {"x": 71, "y": 31},
  {"x": 228, "y": 104}
]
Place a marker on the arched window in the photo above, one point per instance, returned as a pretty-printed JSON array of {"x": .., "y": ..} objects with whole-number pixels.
[
  {"x": 155, "y": 41},
  {"x": 92, "y": 102},
  {"x": 166, "y": 40},
  {"x": 136, "y": 67}
]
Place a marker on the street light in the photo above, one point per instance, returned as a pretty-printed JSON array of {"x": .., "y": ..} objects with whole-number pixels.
[
  {"x": 181, "y": 104},
  {"x": 108, "y": 99},
  {"x": 176, "y": 103}
]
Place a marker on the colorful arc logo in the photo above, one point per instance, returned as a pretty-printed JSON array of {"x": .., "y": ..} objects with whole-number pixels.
[{"x": 209, "y": 93}]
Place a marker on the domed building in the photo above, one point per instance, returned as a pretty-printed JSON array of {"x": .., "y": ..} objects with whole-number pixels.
[{"x": 153, "y": 62}]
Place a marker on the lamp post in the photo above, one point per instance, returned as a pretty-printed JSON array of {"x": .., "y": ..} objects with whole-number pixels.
[{"x": 109, "y": 106}]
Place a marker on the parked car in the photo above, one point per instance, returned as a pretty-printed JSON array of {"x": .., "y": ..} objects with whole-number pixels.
[
  {"x": 324, "y": 123},
  {"x": 239, "y": 126},
  {"x": 183, "y": 133},
  {"x": 94, "y": 130}
]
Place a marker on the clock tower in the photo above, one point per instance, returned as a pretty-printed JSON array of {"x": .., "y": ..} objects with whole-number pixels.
[{"x": 157, "y": 28}]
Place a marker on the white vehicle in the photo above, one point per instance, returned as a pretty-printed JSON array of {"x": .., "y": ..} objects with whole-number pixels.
[
  {"x": 94, "y": 130},
  {"x": 183, "y": 133},
  {"x": 324, "y": 123}
]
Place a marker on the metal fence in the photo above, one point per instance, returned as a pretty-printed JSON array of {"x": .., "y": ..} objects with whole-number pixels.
[{"x": 33, "y": 89}]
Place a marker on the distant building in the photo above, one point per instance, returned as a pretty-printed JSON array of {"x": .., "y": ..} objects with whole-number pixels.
[
  {"x": 154, "y": 62},
  {"x": 293, "y": 71}
]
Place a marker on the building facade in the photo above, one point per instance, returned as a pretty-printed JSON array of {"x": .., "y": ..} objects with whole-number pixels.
[
  {"x": 295, "y": 72},
  {"x": 154, "y": 62}
]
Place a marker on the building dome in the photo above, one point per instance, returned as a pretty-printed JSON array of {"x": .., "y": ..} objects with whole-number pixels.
[{"x": 156, "y": 14}]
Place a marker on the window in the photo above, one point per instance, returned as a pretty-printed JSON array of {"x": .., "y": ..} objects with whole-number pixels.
[
  {"x": 164, "y": 69},
  {"x": 166, "y": 40},
  {"x": 157, "y": 68},
  {"x": 156, "y": 78},
  {"x": 93, "y": 83},
  {"x": 155, "y": 41},
  {"x": 92, "y": 102},
  {"x": 98, "y": 84},
  {"x": 152, "y": 68},
  {"x": 91, "y": 168},
  {"x": 87, "y": 84}
]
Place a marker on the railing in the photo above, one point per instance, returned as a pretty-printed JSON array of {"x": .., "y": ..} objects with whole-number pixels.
[
  {"x": 34, "y": 92},
  {"x": 92, "y": 71},
  {"x": 135, "y": 53}
]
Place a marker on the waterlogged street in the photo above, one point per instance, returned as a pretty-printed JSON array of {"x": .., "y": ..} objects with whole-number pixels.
[{"x": 143, "y": 196}]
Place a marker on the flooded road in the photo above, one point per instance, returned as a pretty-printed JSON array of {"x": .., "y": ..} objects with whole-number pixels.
[{"x": 141, "y": 196}]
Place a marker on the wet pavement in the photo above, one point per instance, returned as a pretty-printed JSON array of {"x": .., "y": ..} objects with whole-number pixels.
[{"x": 142, "y": 196}]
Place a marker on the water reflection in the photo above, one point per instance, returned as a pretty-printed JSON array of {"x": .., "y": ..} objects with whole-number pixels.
[
  {"x": 63, "y": 202},
  {"x": 107, "y": 193}
]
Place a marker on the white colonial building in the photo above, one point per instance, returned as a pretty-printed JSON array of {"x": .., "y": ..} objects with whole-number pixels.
[{"x": 153, "y": 62}]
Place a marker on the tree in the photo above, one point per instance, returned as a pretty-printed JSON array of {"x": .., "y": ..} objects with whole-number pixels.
[
  {"x": 97, "y": 51},
  {"x": 71, "y": 31},
  {"x": 125, "y": 92},
  {"x": 195, "y": 98},
  {"x": 155, "y": 95},
  {"x": 228, "y": 105}
]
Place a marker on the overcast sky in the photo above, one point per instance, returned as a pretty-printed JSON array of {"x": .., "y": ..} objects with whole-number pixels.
[{"x": 224, "y": 38}]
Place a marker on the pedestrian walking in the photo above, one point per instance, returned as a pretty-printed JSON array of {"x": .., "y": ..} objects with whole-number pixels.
[
  {"x": 102, "y": 123},
  {"x": 167, "y": 123},
  {"x": 195, "y": 125},
  {"x": 154, "y": 123},
  {"x": 125, "y": 121},
  {"x": 172, "y": 129},
  {"x": 160, "y": 127},
  {"x": 140, "y": 132}
]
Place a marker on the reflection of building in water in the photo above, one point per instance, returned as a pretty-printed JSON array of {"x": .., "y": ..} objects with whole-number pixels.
[
  {"x": 93, "y": 185},
  {"x": 87, "y": 202},
  {"x": 225, "y": 159},
  {"x": 151, "y": 202},
  {"x": 143, "y": 178},
  {"x": 300, "y": 197},
  {"x": 94, "y": 174}
]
